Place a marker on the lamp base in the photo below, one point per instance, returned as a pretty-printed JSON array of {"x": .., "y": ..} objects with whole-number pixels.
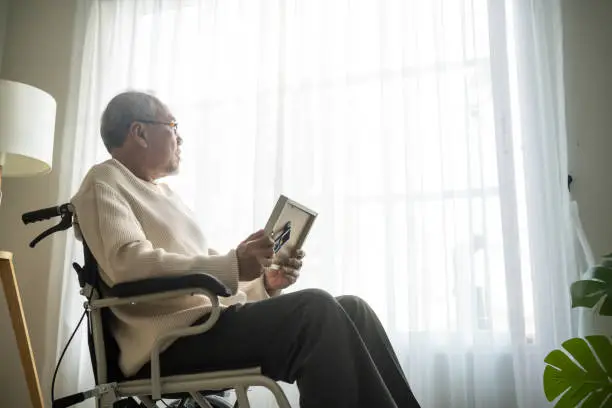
[
  {"x": 13, "y": 300},
  {"x": 1, "y": 163}
]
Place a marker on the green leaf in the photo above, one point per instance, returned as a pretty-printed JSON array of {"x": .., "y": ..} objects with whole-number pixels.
[
  {"x": 582, "y": 353},
  {"x": 602, "y": 273},
  {"x": 554, "y": 383},
  {"x": 572, "y": 398},
  {"x": 606, "y": 307},
  {"x": 604, "y": 350},
  {"x": 608, "y": 256},
  {"x": 582, "y": 377},
  {"x": 589, "y": 292},
  {"x": 595, "y": 400},
  {"x": 586, "y": 293}
]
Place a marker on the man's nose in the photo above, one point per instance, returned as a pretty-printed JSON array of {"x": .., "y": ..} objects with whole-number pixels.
[{"x": 179, "y": 140}]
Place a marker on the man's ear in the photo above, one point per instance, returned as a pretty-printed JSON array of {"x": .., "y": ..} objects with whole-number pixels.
[{"x": 137, "y": 132}]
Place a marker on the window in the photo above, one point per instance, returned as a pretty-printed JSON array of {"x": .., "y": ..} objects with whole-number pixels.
[{"x": 381, "y": 117}]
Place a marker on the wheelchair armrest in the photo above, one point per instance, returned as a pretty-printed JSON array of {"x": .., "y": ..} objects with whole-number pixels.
[{"x": 169, "y": 284}]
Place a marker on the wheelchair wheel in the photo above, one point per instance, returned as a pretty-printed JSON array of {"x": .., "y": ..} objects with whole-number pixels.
[
  {"x": 127, "y": 403},
  {"x": 214, "y": 400},
  {"x": 218, "y": 402}
]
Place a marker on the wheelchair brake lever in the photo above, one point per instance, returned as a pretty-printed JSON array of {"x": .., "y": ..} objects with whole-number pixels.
[{"x": 64, "y": 224}]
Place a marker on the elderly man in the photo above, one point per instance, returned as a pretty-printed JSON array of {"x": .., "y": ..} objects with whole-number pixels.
[{"x": 335, "y": 348}]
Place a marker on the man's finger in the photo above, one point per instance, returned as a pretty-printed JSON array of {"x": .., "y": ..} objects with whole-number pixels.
[
  {"x": 265, "y": 252},
  {"x": 263, "y": 242},
  {"x": 292, "y": 278},
  {"x": 294, "y": 263},
  {"x": 274, "y": 271},
  {"x": 265, "y": 262},
  {"x": 255, "y": 235},
  {"x": 299, "y": 253},
  {"x": 281, "y": 257},
  {"x": 290, "y": 272}
]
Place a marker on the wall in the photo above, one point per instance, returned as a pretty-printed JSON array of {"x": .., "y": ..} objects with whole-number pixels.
[
  {"x": 588, "y": 81},
  {"x": 39, "y": 37},
  {"x": 3, "y": 21}
]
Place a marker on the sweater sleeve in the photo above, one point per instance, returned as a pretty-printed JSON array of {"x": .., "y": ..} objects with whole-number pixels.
[
  {"x": 256, "y": 290},
  {"x": 126, "y": 254}
]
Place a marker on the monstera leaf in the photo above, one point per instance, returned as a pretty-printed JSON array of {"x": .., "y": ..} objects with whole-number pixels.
[
  {"x": 588, "y": 292},
  {"x": 607, "y": 260},
  {"x": 580, "y": 374}
]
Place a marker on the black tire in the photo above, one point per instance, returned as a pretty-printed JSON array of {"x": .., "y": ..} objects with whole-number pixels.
[
  {"x": 218, "y": 402},
  {"x": 214, "y": 400},
  {"x": 127, "y": 403}
]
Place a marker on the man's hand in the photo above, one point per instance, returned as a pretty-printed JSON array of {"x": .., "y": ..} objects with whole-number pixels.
[
  {"x": 254, "y": 254},
  {"x": 287, "y": 273}
]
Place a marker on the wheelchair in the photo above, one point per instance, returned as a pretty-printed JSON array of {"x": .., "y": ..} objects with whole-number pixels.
[{"x": 113, "y": 389}]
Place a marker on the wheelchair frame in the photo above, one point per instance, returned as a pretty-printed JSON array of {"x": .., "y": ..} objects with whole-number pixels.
[{"x": 107, "y": 392}]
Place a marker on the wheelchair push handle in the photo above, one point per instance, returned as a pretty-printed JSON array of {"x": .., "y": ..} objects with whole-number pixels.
[
  {"x": 42, "y": 214},
  {"x": 65, "y": 211}
]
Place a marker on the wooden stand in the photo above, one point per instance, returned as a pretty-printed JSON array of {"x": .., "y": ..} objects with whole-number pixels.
[{"x": 11, "y": 292}]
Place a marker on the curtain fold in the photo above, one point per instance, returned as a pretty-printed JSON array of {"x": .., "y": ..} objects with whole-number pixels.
[
  {"x": 429, "y": 136},
  {"x": 540, "y": 138},
  {"x": 65, "y": 306}
]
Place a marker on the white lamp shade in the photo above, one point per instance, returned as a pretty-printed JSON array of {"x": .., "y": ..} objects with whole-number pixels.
[{"x": 27, "y": 126}]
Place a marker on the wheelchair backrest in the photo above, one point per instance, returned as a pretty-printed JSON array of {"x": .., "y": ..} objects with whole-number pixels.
[{"x": 92, "y": 286}]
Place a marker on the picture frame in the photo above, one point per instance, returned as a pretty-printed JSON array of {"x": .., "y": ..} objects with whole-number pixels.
[{"x": 300, "y": 217}]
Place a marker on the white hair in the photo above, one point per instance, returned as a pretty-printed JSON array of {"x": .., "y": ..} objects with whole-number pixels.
[{"x": 123, "y": 110}]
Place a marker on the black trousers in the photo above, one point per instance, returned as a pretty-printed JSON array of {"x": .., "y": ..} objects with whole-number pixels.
[{"x": 334, "y": 348}]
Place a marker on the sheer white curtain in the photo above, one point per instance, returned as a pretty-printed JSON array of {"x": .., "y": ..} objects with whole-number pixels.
[{"x": 428, "y": 135}]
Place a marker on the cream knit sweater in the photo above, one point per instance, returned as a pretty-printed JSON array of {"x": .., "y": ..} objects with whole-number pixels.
[{"x": 137, "y": 230}]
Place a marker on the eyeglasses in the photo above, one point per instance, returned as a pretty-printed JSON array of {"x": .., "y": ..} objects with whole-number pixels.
[{"x": 173, "y": 124}]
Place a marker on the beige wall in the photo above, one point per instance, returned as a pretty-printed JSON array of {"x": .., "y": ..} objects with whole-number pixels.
[
  {"x": 3, "y": 20},
  {"x": 37, "y": 51},
  {"x": 588, "y": 78}
]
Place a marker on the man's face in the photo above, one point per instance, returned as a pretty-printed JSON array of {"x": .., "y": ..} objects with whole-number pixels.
[{"x": 163, "y": 140}]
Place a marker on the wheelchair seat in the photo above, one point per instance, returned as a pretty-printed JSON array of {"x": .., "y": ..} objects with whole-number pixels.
[{"x": 113, "y": 389}]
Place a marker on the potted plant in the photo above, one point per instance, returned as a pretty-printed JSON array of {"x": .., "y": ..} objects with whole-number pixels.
[{"x": 580, "y": 374}]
